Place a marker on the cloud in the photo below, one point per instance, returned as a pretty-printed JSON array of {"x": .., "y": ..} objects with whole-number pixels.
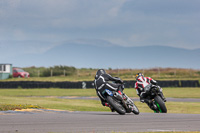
[
  {"x": 92, "y": 42},
  {"x": 119, "y": 22}
]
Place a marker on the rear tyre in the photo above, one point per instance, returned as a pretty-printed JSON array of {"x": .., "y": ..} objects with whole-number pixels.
[
  {"x": 161, "y": 104},
  {"x": 116, "y": 105}
]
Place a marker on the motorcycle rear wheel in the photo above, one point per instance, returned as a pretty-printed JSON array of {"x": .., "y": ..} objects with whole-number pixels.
[{"x": 116, "y": 105}]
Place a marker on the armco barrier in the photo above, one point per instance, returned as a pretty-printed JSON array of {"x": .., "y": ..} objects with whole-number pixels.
[
  {"x": 129, "y": 84},
  {"x": 190, "y": 83},
  {"x": 90, "y": 84},
  {"x": 173, "y": 83}
]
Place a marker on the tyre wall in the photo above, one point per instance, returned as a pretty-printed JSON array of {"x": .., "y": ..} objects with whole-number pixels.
[{"x": 90, "y": 84}]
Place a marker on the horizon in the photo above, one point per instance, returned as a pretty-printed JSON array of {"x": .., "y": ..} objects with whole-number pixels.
[
  {"x": 150, "y": 68},
  {"x": 166, "y": 57},
  {"x": 35, "y": 27}
]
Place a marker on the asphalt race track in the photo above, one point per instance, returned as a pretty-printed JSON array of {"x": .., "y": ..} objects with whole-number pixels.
[{"x": 63, "y": 121}]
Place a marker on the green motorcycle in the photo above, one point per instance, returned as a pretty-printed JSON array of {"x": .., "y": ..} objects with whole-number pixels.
[{"x": 154, "y": 94}]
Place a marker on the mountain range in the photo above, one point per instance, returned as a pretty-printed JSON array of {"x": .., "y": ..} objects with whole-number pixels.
[{"x": 93, "y": 56}]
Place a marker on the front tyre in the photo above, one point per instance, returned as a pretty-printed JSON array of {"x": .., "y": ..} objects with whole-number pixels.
[
  {"x": 116, "y": 105},
  {"x": 135, "y": 110},
  {"x": 161, "y": 104}
]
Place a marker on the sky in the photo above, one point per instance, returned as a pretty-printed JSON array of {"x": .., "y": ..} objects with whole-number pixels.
[{"x": 35, "y": 26}]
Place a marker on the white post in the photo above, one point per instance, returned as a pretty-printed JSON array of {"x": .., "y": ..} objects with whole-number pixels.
[
  {"x": 118, "y": 72},
  {"x": 51, "y": 72},
  {"x": 77, "y": 72},
  {"x": 131, "y": 72},
  {"x": 175, "y": 73}
]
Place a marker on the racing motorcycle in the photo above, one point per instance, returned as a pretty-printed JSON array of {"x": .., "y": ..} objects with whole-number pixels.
[
  {"x": 153, "y": 92},
  {"x": 120, "y": 102}
]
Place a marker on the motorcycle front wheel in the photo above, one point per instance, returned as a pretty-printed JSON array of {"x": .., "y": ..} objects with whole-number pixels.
[
  {"x": 116, "y": 105},
  {"x": 135, "y": 110},
  {"x": 161, "y": 105}
]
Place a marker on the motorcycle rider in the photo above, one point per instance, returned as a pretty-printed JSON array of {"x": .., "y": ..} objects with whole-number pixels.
[
  {"x": 141, "y": 83},
  {"x": 104, "y": 81}
]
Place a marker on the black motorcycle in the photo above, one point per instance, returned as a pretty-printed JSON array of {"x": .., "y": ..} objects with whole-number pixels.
[
  {"x": 120, "y": 102},
  {"x": 154, "y": 94}
]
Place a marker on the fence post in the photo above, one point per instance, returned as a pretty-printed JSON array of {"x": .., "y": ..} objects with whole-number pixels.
[
  {"x": 131, "y": 73},
  {"x": 118, "y": 72},
  {"x": 77, "y": 73},
  {"x": 175, "y": 73},
  {"x": 51, "y": 72}
]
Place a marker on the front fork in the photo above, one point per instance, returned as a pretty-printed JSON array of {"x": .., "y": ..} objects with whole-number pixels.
[
  {"x": 122, "y": 97},
  {"x": 161, "y": 95}
]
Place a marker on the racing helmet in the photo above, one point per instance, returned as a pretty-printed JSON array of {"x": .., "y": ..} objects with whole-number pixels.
[
  {"x": 138, "y": 75},
  {"x": 99, "y": 73}
]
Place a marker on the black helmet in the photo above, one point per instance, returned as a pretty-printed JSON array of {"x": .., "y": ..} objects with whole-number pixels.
[
  {"x": 99, "y": 73},
  {"x": 139, "y": 75}
]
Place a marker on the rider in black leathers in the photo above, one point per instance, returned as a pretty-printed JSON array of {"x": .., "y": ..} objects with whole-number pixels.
[{"x": 104, "y": 81}]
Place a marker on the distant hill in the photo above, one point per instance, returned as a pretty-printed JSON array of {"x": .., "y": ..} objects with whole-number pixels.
[{"x": 91, "y": 56}]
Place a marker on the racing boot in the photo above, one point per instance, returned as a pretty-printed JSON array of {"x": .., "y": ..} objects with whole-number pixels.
[
  {"x": 112, "y": 109},
  {"x": 150, "y": 104}
]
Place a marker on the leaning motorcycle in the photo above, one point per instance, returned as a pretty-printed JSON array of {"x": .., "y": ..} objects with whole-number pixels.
[
  {"x": 153, "y": 92},
  {"x": 120, "y": 102}
]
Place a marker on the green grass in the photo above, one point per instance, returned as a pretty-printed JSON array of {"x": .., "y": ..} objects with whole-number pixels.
[
  {"x": 168, "y": 92},
  {"x": 47, "y": 92},
  {"x": 174, "y": 107},
  {"x": 93, "y": 105},
  {"x": 168, "y": 132},
  {"x": 55, "y": 103},
  {"x": 4, "y": 107},
  {"x": 34, "y": 97},
  {"x": 188, "y": 92},
  {"x": 182, "y": 92}
]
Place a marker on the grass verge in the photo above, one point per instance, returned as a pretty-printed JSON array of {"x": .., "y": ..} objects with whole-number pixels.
[
  {"x": 5, "y": 107},
  {"x": 26, "y": 97},
  {"x": 192, "y": 92},
  {"x": 94, "y": 105},
  {"x": 169, "y": 132}
]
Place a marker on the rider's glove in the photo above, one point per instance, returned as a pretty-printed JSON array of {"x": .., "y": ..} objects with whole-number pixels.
[
  {"x": 159, "y": 88},
  {"x": 119, "y": 81}
]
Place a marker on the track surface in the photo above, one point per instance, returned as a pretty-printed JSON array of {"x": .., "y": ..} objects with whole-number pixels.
[{"x": 34, "y": 122}]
